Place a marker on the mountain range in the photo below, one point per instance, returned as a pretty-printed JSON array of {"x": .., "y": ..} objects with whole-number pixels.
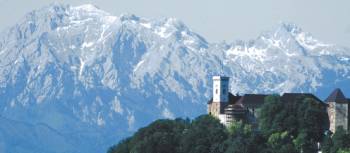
[{"x": 79, "y": 79}]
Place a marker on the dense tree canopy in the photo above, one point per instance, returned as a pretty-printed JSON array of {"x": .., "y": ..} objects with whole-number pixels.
[
  {"x": 283, "y": 127},
  {"x": 162, "y": 136},
  {"x": 300, "y": 123},
  {"x": 205, "y": 134}
]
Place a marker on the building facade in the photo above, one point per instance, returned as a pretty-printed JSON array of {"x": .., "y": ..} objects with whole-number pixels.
[
  {"x": 338, "y": 109},
  {"x": 220, "y": 97},
  {"x": 228, "y": 107}
]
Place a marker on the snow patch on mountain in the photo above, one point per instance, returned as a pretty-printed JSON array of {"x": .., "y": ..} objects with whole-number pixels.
[{"x": 90, "y": 78}]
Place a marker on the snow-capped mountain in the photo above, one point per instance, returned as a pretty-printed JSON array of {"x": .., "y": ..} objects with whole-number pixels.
[{"x": 78, "y": 79}]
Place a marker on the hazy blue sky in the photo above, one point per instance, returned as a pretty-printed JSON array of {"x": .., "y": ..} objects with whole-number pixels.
[{"x": 218, "y": 20}]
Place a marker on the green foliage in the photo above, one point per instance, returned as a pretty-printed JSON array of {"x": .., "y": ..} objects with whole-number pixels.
[
  {"x": 204, "y": 135},
  {"x": 312, "y": 119},
  {"x": 269, "y": 115},
  {"x": 162, "y": 136},
  {"x": 243, "y": 138},
  {"x": 276, "y": 139},
  {"x": 341, "y": 140},
  {"x": 304, "y": 120},
  {"x": 280, "y": 142},
  {"x": 235, "y": 128},
  {"x": 122, "y": 147},
  {"x": 344, "y": 150},
  {"x": 327, "y": 144},
  {"x": 283, "y": 127},
  {"x": 244, "y": 143}
]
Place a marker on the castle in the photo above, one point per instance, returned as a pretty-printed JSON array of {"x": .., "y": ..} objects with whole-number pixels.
[{"x": 228, "y": 107}]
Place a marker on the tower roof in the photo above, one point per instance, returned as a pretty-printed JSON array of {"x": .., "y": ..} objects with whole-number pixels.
[{"x": 337, "y": 96}]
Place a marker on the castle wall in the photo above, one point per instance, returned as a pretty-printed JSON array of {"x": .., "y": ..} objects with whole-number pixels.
[
  {"x": 338, "y": 115},
  {"x": 214, "y": 109},
  {"x": 342, "y": 116},
  {"x": 222, "y": 118},
  {"x": 331, "y": 115}
]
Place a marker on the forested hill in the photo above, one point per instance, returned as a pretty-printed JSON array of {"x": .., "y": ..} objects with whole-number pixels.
[{"x": 288, "y": 127}]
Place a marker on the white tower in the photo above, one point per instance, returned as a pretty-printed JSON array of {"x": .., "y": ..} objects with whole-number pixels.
[
  {"x": 220, "y": 98},
  {"x": 220, "y": 89}
]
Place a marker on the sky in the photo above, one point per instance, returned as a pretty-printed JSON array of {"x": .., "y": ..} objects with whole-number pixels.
[{"x": 219, "y": 20}]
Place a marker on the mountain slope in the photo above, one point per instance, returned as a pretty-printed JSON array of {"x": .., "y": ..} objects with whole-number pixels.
[{"x": 93, "y": 78}]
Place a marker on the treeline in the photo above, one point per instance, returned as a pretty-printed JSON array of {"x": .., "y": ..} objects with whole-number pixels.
[{"x": 283, "y": 127}]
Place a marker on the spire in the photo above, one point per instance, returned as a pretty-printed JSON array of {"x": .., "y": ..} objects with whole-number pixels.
[{"x": 337, "y": 96}]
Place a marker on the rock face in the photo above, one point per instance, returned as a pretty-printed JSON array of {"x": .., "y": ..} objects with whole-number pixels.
[{"x": 78, "y": 79}]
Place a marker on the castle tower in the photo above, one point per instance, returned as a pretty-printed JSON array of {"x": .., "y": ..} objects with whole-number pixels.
[
  {"x": 220, "y": 89},
  {"x": 337, "y": 110},
  {"x": 220, "y": 97}
]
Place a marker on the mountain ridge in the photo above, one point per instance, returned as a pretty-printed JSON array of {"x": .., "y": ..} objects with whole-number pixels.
[{"x": 78, "y": 69}]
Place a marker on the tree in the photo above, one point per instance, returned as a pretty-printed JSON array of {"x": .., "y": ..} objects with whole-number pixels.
[
  {"x": 242, "y": 138},
  {"x": 340, "y": 140},
  {"x": 327, "y": 144},
  {"x": 344, "y": 150},
  {"x": 312, "y": 123},
  {"x": 298, "y": 122},
  {"x": 313, "y": 119},
  {"x": 288, "y": 126},
  {"x": 161, "y": 136},
  {"x": 205, "y": 135},
  {"x": 270, "y": 114},
  {"x": 280, "y": 142},
  {"x": 121, "y": 147}
]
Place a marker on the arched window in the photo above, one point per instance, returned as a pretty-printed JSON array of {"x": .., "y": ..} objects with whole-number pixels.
[{"x": 216, "y": 91}]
